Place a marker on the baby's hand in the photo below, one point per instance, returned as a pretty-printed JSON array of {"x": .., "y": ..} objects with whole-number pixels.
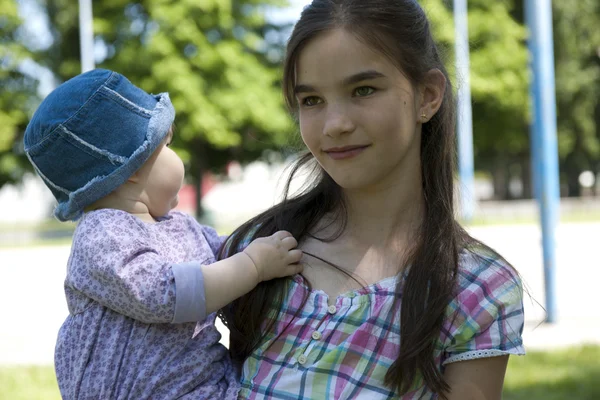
[{"x": 275, "y": 256}]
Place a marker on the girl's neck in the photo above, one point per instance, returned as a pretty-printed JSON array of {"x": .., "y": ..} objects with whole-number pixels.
[{"x": 385, "y": 214}]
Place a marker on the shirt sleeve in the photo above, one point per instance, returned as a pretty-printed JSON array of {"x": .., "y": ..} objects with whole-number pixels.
[
  {"x": 486, "y": 317},
  {"x": 114, "y": 263}
]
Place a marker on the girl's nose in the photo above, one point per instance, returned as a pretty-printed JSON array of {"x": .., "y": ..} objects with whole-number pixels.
[{"x": 338, "y": 121}]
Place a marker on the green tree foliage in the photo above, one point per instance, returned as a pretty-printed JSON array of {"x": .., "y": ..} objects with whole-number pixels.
[
  {"x": 210, "y": 55},
  {"x": 499, "y": 82},
  {"x": 577, "y": 55},
  {"x": 577, "y": 72},
  {"x": 17, "y": 90},
  {"x": 220, "y": 61}
]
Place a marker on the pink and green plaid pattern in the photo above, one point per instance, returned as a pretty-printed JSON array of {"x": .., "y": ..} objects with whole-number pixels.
[{"x": 343, "y": 350}]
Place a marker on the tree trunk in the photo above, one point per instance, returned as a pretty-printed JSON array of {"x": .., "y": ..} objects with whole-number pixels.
[
  {"x": 198, "y": 187},
  {"x": 526, "y": 177},
  {"x": 501, "y": 180},
  {"x": 199, "y": 167},
  {"x": 573, "y": 165}
]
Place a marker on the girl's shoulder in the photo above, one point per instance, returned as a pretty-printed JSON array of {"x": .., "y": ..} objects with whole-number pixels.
[
  {"x": 486, "y": 315},
  {"x": 481, "y": 265},
  {"x": 488, "y": 289}
]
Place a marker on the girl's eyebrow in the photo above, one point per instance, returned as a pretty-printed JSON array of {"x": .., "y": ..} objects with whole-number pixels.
[
  {"x": 363, "y": 76},
  {"x": 351, "y": 80},
  {"x": 303, "y": 89}
]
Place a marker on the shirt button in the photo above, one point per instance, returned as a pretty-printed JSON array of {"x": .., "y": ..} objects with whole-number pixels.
[
  {"x": 302, "y": 359},
  {"x": 316, "y": 335},
  {"x": 332, "y": 309}
]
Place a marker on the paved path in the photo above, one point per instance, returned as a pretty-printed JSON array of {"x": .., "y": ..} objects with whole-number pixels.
[{"x": 32, "y": 305}]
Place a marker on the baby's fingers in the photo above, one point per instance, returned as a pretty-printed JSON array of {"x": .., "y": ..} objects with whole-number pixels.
[
  {"x": 294, "y": 256},
  {"x": 281, "y": 235},
  {"x": 289, "y": 242},
  {"x": 293, "y": 269}
]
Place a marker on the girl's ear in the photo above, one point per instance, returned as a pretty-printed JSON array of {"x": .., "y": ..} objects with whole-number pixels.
[{"x": 432, "y": 94}]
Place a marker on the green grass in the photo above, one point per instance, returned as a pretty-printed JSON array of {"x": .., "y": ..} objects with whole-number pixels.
[
  {"x": 567, "y": 374},
  {"x": 559, "y": 375},
  {"x": 27, "y": 383}
]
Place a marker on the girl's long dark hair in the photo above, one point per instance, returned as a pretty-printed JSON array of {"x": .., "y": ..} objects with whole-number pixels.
[{"x": 400, "y": 30}]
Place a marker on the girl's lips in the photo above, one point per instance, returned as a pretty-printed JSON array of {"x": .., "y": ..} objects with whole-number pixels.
[{"x": 342, "y": 153}]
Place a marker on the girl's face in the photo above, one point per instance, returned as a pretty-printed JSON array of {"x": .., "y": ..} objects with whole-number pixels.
[
  {"x": 162, "y": 178},
  {"x": 359, "y": 115}
]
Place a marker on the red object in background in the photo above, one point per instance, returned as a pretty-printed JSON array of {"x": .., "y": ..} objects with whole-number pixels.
[
  {"x": 187, "y": 199},
  {"x": 187, "y": 194},
  {"x": 208, "y": 182}
]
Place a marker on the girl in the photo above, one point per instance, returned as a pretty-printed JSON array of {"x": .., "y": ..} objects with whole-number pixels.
[
  {"x": 142, "y": 282},
  {"x": 396, "y": 299}
]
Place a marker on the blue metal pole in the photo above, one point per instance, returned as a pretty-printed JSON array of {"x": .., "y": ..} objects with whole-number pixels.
[
  {"x": 465, "y": 114},
  {"x": 539, "y": 19},
  {"x": 536, "y": 146}
]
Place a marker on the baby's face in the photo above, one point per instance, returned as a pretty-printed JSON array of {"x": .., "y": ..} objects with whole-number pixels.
[{"x": 162, "y": 178}]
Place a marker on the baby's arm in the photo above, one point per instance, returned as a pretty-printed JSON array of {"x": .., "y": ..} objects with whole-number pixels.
[
  {"x": 264, "y": 259},
  {"x": 125, "y": 274},
  {"x": 116, "y": 263}
]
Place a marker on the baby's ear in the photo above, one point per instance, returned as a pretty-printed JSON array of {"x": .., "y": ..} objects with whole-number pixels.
[{"x": 135, "y": 178}]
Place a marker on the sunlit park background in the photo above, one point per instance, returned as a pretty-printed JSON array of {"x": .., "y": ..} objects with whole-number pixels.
[{"x": 220, "y": 60}]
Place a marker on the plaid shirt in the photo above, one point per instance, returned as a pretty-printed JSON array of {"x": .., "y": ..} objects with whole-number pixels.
[{"x": 343, "y": 350}]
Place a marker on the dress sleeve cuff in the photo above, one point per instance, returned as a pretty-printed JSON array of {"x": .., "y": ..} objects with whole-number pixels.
[{"x": 190, "y": 299}]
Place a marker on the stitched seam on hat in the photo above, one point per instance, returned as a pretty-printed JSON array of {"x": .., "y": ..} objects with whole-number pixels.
[
  {"x": 113, "y": 158},
  {"x": 129, "y": 103},
  {"x": 45, "y": 178},
  {"x": 87, "y": 100},
  {"x": 34, "y": 147}
]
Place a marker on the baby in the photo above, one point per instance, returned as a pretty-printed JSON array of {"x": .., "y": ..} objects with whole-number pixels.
[{"x": 139, "y": 326}]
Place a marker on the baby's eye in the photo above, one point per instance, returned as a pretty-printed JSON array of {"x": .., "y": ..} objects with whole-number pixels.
[
  {"x": 311, "y": 101},
  {"x": 364, "y": 91}
]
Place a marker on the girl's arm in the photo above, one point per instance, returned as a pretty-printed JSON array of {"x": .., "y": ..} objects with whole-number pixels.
[
  {"x": 483, "y": 327},
  {"x": 479, "y": 379}
]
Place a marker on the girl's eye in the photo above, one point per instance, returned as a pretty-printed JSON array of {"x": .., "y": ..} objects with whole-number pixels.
[
  {"x": 311, "y": 101},
  {"x": 364, "y": 91}
]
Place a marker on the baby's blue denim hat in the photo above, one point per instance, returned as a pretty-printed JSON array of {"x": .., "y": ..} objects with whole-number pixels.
[{"x": 91, "y": 134}]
